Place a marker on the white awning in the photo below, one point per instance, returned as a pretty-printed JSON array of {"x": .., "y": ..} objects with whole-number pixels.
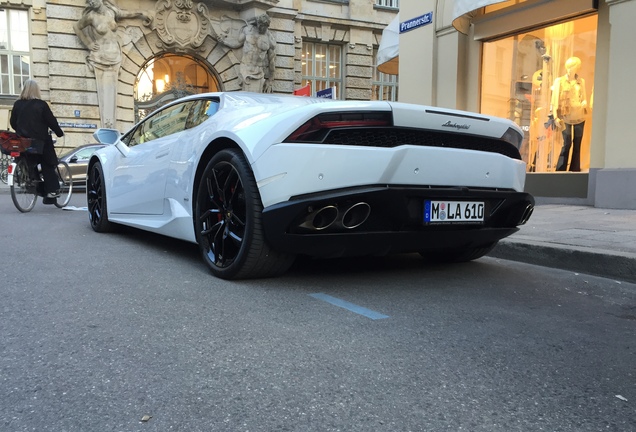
[
  {"x": 464, "y": 10},
  {"x": 389, "y": 50}
]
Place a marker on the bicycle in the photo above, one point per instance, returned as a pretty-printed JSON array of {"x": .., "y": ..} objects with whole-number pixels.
[
  {"x": 23, "y": 178},
  {"x": 4, "y": 176}
]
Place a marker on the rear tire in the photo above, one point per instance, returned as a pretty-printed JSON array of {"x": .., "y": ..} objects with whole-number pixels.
[
  {"x": 228, "y": 222},
  {"x": 65, "y": 179},
  {"x": 96, "y": 199},
  {"x": 23, "y": 191},
  {"x": 456, "y": 255}
]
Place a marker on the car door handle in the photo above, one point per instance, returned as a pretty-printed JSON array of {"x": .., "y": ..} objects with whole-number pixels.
[{"x": 160, "y": 155}]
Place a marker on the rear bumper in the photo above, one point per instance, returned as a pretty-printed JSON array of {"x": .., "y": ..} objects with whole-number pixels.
[{"x": 380, "y": 220}]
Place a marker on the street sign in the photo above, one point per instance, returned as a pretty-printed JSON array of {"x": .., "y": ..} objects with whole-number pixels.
[{"x": 414, "y": 23}]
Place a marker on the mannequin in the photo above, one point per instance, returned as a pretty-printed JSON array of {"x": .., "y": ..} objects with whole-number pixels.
[{"x": 569, "y": 108}]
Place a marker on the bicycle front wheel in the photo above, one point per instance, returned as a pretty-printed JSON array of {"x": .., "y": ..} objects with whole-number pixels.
[
  {"x": 23, "y": 191},
  {"x": 66, "y": 184},
  {"x": 4, "y": 176}
]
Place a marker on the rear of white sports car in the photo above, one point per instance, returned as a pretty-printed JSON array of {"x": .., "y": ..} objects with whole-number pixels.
[
  {"x": 257, "y": 179},
  {"x": 380, "y": 178}
]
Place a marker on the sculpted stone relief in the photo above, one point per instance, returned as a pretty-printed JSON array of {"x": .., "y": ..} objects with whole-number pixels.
[
  {"x": 259, "y": 52},
  {"x": 97, "y": 29},
  {"x": 182, "y": 26}
]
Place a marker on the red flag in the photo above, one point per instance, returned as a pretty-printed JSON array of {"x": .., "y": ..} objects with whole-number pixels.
[{"x": 303, "y": 91}]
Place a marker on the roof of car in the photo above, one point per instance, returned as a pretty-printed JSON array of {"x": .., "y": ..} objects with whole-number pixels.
[{"x": 74, "y": 149}]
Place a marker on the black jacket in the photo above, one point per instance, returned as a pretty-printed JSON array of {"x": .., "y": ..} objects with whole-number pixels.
[{"x": 33, "y": 118}]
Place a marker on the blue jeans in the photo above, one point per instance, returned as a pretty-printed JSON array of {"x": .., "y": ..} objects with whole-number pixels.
[{"x": 572, "y": 137}]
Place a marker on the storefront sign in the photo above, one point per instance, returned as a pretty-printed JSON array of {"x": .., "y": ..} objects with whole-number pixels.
[
  {"x": 79, "y": 125},
  {"x": 414, "y": 23}
]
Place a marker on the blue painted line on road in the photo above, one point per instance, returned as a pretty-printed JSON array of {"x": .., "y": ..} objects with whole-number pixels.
[{"x": 349, "y": 306}]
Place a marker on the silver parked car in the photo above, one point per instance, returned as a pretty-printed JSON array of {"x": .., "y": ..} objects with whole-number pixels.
[{"x": 77, "y": 160}]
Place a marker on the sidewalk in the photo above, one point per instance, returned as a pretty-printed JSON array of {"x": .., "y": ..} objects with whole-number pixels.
[{"x": 582, "y": 239}]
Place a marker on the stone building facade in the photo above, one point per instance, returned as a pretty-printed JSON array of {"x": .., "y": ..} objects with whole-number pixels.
[{"x": 189, "y": 29}]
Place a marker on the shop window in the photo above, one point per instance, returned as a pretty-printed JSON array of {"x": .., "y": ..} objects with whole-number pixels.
[
  {"x": 322, "y": 67},
  {"x": 15, "y": 58},
  {"x": 544, "y": 81},
  {"x": 384, "y": 86},
  {"x": 168, "y": 77}
]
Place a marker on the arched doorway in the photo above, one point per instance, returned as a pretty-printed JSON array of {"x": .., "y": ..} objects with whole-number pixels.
[{"x": 170, "y": 76}]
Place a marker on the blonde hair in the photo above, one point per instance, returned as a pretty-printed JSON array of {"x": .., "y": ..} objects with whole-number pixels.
[
  {"x": 573, "y": 62},
  {"x": 30, "y": 90}
]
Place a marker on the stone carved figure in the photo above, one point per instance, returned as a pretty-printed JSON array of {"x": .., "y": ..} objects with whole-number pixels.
[
  {"x": 97, "y": 29},
  {"x": 259, "y": 54}
]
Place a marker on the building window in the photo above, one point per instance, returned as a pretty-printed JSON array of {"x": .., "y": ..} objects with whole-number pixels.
[
  {"x": 15, "y": 58},
  {"x": 322, "y": 67},
  {"x": 543, "y": 80},
  {"x": 168, "y": 77},
  {"x": 388, "y": 3},
  {"x": 384, "y": 86}
]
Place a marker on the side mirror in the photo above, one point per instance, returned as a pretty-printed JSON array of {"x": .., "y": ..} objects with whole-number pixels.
[
  {"x": 73, "y": 159},
  {"x": 106, "y": 136},
  {"x": 111, "y": 136}
]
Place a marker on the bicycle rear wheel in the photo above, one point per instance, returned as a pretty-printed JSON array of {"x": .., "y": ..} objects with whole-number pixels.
[
  {"x": 4, "y": 176},
  {"x": 66, "y": 184},
  {"x": 23, "y": 191}
]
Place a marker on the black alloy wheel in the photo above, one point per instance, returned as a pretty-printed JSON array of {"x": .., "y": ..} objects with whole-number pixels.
[
  {"x": 228, "y": 221},
  {"x": 96, "y": 199}
]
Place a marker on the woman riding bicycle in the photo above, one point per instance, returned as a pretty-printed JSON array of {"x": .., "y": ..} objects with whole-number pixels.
[{"x": 31, "y": 117}]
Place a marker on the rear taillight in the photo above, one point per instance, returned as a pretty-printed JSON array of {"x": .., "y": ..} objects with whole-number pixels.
[
  {"x": 10, "y": 169},
  {"x": 513, "y": 137},
  {"x": 316, "y": 129}
]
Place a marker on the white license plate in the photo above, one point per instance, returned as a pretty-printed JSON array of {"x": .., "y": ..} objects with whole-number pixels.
[{"x": 453, "y": 212}]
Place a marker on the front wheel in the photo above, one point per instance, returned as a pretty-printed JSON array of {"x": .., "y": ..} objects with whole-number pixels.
[
  {"x": 23, "y": 190},
  {"x": 457, "y": 255},
  {"x": 96, "y": 199},
  {"x": 65, "y": 180},
  {"x": 228, "y": 221}
]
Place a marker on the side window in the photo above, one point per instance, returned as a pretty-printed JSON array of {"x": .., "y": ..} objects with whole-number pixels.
[
  {"x": 160, "y": 124},
  {"x": 168, "y": 121},
  {"x": 200, "y": 111},
  {"x": 133, "y": 138},
  {"x": 85, "y": 153}
]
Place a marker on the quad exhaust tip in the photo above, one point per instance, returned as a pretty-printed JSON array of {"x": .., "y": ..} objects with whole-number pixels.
[
  {"x": 356, "y": 215},
  {"x": 352, "y": 217},
  {"x": 321, "y": 219},
  {"x": 526, "y": 214}
]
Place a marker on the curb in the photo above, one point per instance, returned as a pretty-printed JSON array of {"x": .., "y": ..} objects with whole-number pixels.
[{"x": 604, "y": 263}]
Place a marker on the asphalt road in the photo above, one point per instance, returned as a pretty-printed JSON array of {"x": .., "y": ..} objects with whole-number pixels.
[{"x": 129, "y": 332}]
